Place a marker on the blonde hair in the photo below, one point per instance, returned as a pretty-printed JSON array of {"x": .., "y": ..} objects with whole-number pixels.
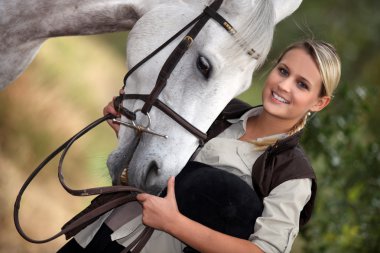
[{"x": 329, "y": 65}]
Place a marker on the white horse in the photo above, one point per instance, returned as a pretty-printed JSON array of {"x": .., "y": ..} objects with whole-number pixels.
[{"x": 215, "y": 69}]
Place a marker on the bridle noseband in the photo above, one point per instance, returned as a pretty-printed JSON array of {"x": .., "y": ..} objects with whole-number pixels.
[{"x": 150, "y": 100}]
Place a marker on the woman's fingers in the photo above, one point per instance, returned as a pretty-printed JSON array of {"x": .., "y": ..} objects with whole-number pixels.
[
  {"x": 109, "y": 108},
  {"x": 141, "y": 197},
  {"x": 171, "y": 186}
]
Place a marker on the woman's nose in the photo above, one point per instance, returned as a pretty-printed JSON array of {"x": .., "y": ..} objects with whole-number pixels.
[{"x": 285, "y": 84}]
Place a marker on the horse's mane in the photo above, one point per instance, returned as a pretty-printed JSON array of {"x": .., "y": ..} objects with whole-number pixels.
[{"x": 256, "y": 33}]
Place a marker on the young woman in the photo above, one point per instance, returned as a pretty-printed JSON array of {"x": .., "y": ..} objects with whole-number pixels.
[
  {"x": 301, "y": 83},
  {"x": 260, "y": 148}
]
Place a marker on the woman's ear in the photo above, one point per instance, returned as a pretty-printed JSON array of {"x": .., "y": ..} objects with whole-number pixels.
[{"x": 321, "y": 103}]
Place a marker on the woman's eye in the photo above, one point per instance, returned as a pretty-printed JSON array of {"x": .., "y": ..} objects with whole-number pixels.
[
  {"x": 204, "y": 66},
  {"x": 283, "y": 71},
  {"x": 303, "y": 85}
]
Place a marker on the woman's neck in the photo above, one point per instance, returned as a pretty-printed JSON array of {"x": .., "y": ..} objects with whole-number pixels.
[{"x": 264, "y": 125}]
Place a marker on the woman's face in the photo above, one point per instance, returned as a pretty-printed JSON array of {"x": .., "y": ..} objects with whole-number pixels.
[{"x": 292, "y": 88}]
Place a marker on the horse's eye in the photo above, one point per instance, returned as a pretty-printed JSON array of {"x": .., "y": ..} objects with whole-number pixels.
[{"x": 204, "y": 66}]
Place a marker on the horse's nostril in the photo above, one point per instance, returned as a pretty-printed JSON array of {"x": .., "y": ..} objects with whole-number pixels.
[
  {"x": 153, "y": 168},
  {"x": 152, "y": 174}
]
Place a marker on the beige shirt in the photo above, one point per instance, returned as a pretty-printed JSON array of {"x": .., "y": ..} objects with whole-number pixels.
[{"x": 274, "y": 231}]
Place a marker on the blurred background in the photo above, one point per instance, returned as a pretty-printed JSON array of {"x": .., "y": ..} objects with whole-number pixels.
[{"x": 72, "y": 78}]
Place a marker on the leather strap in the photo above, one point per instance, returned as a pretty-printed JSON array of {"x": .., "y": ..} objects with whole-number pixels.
[
  {"x": 129, "y": 193},
  {"x": 172, "y": 114},
  {"x": 176, "y": 56}
]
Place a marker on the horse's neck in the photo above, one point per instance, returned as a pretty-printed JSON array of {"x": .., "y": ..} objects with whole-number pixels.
[
  {"x": 48, "y": 18},
  {"x": 24, "y": 25}
]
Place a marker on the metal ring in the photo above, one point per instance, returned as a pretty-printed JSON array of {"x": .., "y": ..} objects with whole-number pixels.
[{"x": 134, "y": 121}]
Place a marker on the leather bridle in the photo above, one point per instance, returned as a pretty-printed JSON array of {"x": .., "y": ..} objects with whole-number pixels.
[{"x": 150, "y": 100}]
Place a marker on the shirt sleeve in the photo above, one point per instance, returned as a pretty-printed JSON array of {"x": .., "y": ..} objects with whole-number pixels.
[{"x": 277, "y": 228}]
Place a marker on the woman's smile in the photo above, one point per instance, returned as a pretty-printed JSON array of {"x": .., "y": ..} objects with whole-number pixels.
[{"x": 279, "y": 99}]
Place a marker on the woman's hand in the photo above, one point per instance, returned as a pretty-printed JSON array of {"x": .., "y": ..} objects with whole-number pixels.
[
  {"x": 160, "y": 213},
  {"x": 109, "y": 108}
]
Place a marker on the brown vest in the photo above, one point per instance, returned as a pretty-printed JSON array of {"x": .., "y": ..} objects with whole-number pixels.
[{"x": 283, "y": 161}]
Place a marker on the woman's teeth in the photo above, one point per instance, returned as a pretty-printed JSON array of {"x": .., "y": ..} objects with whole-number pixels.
[{"x": 278, "y": 98}]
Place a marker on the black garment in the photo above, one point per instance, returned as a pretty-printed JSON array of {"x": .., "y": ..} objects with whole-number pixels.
[
  {"x": 217, "y": 199},
  {"x": 101, "y": 243}
]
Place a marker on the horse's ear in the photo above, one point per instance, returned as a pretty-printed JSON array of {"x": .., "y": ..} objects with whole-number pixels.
[{"x": 284, "y": 8}]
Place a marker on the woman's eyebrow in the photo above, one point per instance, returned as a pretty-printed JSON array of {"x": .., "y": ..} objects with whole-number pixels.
[{"x": 305, "y": 80}]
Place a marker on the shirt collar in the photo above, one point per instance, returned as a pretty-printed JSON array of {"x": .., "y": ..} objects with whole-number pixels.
[{"x": 251, "y": 113}]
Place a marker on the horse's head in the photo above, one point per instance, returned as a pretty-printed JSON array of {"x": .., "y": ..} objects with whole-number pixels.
[{"x": 216, "y": 68}]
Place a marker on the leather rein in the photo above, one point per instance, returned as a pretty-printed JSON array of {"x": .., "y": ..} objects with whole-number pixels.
[{"x": 127, "y": 193}]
